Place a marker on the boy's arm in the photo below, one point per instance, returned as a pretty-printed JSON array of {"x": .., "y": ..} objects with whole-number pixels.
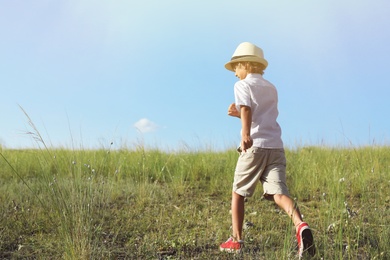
[{"x": 246, "y": 121}]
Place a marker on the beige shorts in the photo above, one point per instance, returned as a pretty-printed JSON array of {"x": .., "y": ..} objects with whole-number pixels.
[{"x": 259, "y": 164}]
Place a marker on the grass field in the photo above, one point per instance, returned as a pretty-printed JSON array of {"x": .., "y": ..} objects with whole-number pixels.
[{"x": 150, "y": 204}]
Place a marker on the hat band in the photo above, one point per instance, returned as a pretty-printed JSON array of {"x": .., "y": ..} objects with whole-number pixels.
[{"x": 244, "y": 56}]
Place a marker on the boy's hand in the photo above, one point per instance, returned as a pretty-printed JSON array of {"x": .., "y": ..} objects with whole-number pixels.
[
  {"x": 246, "y": 143},
  {"x": 232, "y": 111}
]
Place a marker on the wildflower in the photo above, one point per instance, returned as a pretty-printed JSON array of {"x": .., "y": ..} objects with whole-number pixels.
[
  {"x": 333, "y": 227},
  {"x": 342, "y": 179}
]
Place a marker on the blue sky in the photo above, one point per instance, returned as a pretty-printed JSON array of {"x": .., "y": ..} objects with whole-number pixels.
[{"x": 151, "y": 72}]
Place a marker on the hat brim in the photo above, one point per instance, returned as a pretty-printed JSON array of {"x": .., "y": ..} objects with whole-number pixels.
[{"x": 228, "y": 65}]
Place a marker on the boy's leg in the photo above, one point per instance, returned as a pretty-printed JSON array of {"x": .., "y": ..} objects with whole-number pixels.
[
  {"x": 237, "y": 215},
  {"x": 235, "y": 243},
  {"x": 249, "y": 168},
  {"x": 274, "y": 184},
  {"x": 304, "y": 234},
  {"x": 288, "y": 205}
]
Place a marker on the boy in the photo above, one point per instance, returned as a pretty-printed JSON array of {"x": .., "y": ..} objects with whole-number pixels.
[{"x": 261, "y": 150}]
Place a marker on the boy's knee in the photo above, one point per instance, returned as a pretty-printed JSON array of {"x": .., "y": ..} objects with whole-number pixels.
[
  {"x": 281, "y": 199},
  {"x": 278, "y": 197}
]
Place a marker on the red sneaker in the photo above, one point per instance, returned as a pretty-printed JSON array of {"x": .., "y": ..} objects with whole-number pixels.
[
  {"x": 231, "y": 246},
  {"x": 305, "y": 240}
]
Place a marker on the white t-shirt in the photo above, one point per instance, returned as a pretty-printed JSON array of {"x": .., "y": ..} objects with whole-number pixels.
[{"x": 262, "y": 97}]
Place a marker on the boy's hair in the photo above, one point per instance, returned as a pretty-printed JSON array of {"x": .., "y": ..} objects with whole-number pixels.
[{"x": 251, "y": 67}]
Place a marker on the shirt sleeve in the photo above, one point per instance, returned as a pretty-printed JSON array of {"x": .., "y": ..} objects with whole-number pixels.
[{"x": 242, "y": 95}]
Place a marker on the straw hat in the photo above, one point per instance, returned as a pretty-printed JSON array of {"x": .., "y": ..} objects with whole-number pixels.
[{"x": 247, "y": 51}]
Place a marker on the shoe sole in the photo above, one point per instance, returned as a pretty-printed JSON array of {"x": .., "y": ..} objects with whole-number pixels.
[
  {"x": 308, "y": 242},
  {"x": 230, "y": 250}
]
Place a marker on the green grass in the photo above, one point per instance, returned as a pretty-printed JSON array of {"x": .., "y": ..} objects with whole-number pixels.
[{"x": 150, "y": 204}]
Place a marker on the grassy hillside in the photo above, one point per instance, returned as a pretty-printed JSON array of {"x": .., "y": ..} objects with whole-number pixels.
[{"x": 149, "y": 204}]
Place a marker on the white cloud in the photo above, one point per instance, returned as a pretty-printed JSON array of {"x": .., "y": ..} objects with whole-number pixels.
[{"x": 144, "y": 125}]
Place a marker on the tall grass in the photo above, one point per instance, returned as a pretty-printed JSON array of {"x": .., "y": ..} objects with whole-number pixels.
[
  {"x": 148, "y": 204},
  {"x": 68, "y": 189},
  {"x": 349, "y": 190}
]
